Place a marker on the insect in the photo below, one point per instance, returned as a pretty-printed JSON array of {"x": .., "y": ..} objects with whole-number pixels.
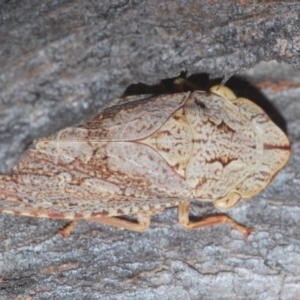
[{"x": 146, "y": 153}]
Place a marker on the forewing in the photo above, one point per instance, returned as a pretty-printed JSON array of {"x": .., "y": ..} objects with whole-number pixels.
[
  {"x": 132, "y": 120},
  {"x": 82, "y": 179}
]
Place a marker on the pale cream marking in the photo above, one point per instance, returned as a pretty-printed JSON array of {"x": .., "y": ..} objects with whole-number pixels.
[
  {"x": 135, "y": 209},
  {"x": 146, "y": 207},
  {"x": 65, "y": 177},
  {"x": 69, "y": 216},
  {"x": 92, "y": 173},
  {"x": 126, "y": 210},
  {"x": 224, "y": 92},
  {"x": 112, "y": 212},
  {"x": 40, "y": 215},
  {"x": 86, "y": 215},
  {"x": 8, "y": 211}
]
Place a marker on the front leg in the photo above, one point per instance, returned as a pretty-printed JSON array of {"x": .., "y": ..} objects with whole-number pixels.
[{"x": 184, "y": 220}]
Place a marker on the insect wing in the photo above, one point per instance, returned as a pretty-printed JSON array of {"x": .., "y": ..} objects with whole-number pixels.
[
  {"x": 94, "y": 169},
  {"x": 132, "y": 120}
]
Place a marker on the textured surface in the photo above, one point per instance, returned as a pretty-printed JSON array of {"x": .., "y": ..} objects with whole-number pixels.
[
  {"x": 62, "y": 60},
  {"x": 166, "y": 262}
]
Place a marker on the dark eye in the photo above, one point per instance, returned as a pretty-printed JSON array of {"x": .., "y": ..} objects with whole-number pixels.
[{"x": 199, "y": 103}]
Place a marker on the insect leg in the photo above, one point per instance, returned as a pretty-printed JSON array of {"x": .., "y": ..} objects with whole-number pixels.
[
  {"x": 184, "y": 220},
  {"x": 141, "y": 224},
  {"x": 65, "y": 232}
]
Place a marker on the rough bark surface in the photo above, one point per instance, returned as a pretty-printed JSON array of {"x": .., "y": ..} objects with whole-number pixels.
[{"x": 62, "y": 61}]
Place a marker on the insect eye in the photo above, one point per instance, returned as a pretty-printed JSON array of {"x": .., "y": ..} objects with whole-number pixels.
[
  {"x": 200, "y": 104},
  {"x": 227, "y": 202}
]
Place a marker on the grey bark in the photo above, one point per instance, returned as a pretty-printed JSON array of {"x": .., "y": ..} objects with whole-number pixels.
[{"x": 62, "y": 61}]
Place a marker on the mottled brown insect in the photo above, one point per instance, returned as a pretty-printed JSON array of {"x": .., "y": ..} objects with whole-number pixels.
[{"x": 146, "y": 153}]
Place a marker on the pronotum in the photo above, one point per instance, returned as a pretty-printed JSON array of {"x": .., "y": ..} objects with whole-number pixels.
[{"x": 146, "y": 153}]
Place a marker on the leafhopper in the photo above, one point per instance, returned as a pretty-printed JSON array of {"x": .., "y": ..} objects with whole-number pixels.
[{"x": 146, "y": 153}]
